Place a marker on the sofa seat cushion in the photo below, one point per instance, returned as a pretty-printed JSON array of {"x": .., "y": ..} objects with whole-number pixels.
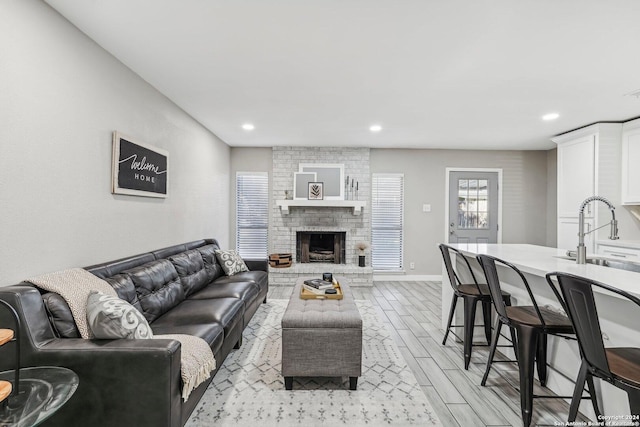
[
  {"x": 245, "y": 291},
  {"x": 212, "y": 333},
  {"x": 225, "y": 311},
  {"x": 260, "y": 278}
]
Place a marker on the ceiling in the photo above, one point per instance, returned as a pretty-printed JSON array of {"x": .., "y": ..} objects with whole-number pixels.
[{"x": 472, "y": 74}]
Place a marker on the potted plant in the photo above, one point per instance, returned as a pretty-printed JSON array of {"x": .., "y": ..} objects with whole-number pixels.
[{"x": 362, "y": 246}]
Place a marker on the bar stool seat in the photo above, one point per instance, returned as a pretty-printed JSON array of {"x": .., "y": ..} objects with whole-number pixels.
[
  {"x": 479, "y": 289},
  {"x": 624, "y": 363},
  {"x": 553, "y": 321}
]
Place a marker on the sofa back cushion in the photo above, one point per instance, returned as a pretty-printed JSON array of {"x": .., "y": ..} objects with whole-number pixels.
[
  {"x": 190, "y": 268},
  {"x": 158, "y": 287},
  {"x": 60, "y": 316},
  {"x": 213, "y": 269},
  {"x": 126, "y": 290}
]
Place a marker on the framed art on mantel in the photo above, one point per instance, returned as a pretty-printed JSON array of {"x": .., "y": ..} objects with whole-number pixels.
[
  {"x": 138, "y": 169},
  {"x": 315, "y": 191},
  {"x": 331, "y": 174},
  {"x": 301, "y": 182}
]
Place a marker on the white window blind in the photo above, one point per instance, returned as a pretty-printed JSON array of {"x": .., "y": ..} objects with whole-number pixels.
[
  {"x": 387, "y": 221},
  {"x": 252, "y": 214}
]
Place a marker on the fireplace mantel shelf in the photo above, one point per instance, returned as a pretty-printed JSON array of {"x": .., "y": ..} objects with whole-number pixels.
[{"x": 357, "y": 205}]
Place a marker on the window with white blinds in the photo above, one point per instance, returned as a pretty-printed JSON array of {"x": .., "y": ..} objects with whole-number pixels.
[
  {"x": 252, "y": 214},
  {"x": 387, "y": 221}
]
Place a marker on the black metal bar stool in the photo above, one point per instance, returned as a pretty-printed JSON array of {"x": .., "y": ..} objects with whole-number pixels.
[
  {"x": 470, "y": 294},
  {"x": 532, "y": 325},
  {"x": 619, "y": 366}
]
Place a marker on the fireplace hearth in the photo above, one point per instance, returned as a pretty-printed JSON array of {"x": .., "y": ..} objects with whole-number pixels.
[{"x": 320, "y": 246}]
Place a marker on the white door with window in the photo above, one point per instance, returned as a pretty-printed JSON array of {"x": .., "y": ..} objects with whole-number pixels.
[{"x": 473, "y": 207}]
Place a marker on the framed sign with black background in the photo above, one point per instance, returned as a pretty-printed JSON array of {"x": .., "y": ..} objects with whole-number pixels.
[{"x": 139, "y": 169}]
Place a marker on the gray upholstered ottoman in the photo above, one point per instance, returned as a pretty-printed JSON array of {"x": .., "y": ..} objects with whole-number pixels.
[{"x": 321, "y": 338}]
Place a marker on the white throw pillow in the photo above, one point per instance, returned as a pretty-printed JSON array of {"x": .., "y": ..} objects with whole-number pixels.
[
  {"x": 231, "y": 262},
  {"x": 110, "y": 317}
]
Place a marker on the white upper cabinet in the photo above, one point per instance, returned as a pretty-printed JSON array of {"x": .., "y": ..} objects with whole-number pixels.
[
  {"x": 631, "y": 163},
  {"x": 588, "y": 165},
  {"x": 576, "y": 174}
]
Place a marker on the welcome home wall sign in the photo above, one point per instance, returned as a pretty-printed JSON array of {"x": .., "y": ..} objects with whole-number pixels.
[{"x": 138, "y": 169}]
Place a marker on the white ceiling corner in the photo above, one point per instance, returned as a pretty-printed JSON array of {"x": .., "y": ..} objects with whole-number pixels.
[{"x": 465, "y": 74}]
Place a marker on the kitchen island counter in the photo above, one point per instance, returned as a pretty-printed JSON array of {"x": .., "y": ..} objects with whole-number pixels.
[
  {"x": 540, "y": 260},
  {"x": 620, "y": 319}
]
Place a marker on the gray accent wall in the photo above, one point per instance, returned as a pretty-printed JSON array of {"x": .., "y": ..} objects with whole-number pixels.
[
  {"x": 528, "y": 206},
  {"x": 524, "y": 210},
  {"x": 61, "y": 98}
]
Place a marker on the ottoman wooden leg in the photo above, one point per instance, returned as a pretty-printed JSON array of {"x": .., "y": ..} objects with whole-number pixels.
[
  {"x": 353, "y": 383},
  {"x": 288, "y": 383}
]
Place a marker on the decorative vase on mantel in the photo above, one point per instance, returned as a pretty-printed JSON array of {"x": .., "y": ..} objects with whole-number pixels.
[{"x": 362, "y": 246}]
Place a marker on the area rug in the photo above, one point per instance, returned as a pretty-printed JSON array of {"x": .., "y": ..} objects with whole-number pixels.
[{"x": 248, "y": 390}]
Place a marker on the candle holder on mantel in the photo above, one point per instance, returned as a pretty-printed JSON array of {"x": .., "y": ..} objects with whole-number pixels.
[{"x": 351, "y": 189}]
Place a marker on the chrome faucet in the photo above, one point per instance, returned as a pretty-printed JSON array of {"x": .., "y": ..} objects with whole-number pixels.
[{"x": 581, "y": 257}]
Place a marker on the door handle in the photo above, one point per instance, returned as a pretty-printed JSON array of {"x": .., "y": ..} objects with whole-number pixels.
[{"x": 451, "y": 228}]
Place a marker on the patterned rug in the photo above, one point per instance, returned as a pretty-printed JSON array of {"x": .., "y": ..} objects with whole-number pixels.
[{"x": 248, "y": 390}]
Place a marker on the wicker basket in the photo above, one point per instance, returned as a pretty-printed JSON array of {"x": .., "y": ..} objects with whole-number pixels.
[{"x": 280, "y": 260}]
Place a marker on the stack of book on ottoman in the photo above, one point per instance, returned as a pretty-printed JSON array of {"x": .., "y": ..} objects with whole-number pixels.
[{"x": 318, "y": 286}]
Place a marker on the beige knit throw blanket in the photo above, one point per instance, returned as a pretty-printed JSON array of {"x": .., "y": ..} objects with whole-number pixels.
[{"x": 75, "y": 285}]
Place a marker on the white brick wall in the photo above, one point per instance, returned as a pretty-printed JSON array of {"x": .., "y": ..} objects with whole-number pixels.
[{"x": 283, "y": 228}]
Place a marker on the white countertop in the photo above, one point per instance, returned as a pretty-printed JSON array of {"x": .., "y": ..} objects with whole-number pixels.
[{"x": 540, "y": 260}]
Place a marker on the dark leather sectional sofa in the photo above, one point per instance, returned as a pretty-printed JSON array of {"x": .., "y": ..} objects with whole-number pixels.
[{"x": 180, "y": 289}]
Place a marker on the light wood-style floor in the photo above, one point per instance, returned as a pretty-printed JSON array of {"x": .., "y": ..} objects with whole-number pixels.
[{"x": 411, "y": 312}]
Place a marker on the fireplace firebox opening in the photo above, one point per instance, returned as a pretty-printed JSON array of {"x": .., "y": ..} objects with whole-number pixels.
[{"x": 320, "y": 246}]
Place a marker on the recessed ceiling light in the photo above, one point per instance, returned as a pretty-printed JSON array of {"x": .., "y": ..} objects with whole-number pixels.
[
  {"x": 375, "y": 128},
  {"x": 550, "y": 116},
  {"x": 248, "y": 126}
]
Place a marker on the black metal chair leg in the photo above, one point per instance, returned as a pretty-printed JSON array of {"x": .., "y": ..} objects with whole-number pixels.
[
  {"x": 492, "y": 351},
  {"x": 514, "y": 341},
  {"x": 527, "y": 344},
  {"x": 469, "y": 320},
  {"x": 541, "y": 359},
  {"x": 452, "y": 310},
  {"x": 577, "y": 391},
  {"x": 486, "y": 315},
  {"x": 634, "y": 402},
  {"x": 594, "y": 397}
]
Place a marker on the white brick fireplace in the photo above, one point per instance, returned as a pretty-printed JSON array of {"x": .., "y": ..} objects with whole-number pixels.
[{"x": 284, "y": 226}]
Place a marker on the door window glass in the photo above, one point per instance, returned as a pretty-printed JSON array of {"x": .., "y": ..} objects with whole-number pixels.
[{"x": 473, "y": 195}]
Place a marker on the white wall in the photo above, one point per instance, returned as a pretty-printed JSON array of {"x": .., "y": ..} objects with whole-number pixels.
[{"x": 61, "y": 97}]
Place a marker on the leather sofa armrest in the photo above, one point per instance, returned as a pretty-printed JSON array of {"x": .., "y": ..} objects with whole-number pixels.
[
  {"x": 122, "y": 382},
  {"x": 257, "y": 264}
]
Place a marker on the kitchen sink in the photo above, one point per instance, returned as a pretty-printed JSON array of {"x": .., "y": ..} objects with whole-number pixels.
[{"x": 611, "y": 263}]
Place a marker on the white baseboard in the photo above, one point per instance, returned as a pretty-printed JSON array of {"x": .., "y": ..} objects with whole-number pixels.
[{"x": 406, "y": 278}]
